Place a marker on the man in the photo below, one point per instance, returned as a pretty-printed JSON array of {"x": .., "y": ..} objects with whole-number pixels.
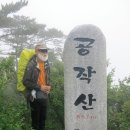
[{"x": 36, "y": 80}]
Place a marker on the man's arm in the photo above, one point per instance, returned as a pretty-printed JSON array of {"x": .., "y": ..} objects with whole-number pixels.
[{"x": 27, "y": 80}]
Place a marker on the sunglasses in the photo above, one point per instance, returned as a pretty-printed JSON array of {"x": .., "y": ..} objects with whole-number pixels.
[{"x": 43, "y": 50}]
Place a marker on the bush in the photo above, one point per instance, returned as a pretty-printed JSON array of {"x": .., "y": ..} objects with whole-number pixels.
[
  {"x": 55, "y": 120},
  {"x": 12, "y": 110}
]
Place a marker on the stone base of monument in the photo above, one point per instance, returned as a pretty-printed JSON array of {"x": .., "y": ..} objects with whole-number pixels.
[{"x": 85, "y": 79}]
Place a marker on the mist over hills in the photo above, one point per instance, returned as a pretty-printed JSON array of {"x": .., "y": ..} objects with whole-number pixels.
[{"x": 54, "y": 44}]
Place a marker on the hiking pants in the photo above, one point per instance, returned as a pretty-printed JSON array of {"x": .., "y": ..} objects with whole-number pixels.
[{"x": 38, "y": 114}]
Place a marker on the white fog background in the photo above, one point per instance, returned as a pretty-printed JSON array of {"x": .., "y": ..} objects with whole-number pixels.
[{"x": 111, "y": 16}]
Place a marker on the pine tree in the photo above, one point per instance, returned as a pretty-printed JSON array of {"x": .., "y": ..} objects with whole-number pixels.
[{"x": 21, "y": 31}]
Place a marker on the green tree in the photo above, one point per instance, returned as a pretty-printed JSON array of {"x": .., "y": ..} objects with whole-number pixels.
[
  {"x": 118, "y": 104},
  {"x": 11, "y": 110},
  {"x": 5, "y": 20},
  {"x": 56, "y": 104},
  {"x": 21, "y": 31}
]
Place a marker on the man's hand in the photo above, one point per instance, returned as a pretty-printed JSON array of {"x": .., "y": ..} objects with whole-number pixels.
[{"x": 46, "y": 88}]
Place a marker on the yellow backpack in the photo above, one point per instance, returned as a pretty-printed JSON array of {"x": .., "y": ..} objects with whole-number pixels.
[{"x": 25, "y": 56}]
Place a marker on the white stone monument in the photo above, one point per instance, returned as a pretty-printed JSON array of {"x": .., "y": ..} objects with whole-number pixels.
[{"x": 85, "y": 79}]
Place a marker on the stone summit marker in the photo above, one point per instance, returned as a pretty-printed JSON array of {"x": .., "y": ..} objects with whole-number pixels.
[{"x": 85, "y": 79}]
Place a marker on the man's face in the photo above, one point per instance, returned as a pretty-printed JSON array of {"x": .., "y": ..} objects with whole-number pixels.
[{"x": 42, "y": 54}]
